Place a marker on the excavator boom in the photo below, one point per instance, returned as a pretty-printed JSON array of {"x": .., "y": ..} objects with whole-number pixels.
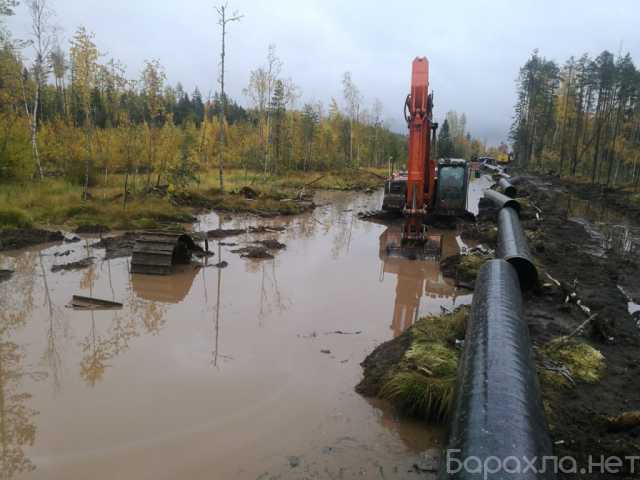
[
  {"x": 429, "y": 186},
  {"x": 421, "y": 171}
]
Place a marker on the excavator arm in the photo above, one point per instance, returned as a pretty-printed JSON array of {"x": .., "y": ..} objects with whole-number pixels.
[
  {"x": 430, "y": 186},
  {"x": 421, "y": 171},
  {"x": 421, "y": 167}
]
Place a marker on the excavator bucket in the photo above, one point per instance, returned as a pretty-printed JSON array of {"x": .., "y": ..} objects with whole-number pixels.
[{"x": 428, "y": 248}]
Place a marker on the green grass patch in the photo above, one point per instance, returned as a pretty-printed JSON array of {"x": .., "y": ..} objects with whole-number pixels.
[
  {"x": 56, "y": 202},
  {"x": 581, "y": 361},
  {"x": 423, "y": 383},
  {"x": 470, "y": 266},
  {"x": 13, "y": 217}
]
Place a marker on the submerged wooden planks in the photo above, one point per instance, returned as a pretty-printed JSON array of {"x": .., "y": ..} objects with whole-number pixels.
[
  {"x": 155, "y": 253},
  {"x": 89, "y": 303}
]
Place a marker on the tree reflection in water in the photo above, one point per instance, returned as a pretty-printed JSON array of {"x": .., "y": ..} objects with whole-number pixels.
[{"x": 17, "y": 427}]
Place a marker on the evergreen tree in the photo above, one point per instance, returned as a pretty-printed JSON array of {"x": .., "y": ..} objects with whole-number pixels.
[{"x": 445, "y": 143}]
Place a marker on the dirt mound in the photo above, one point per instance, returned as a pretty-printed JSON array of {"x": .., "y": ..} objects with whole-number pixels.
[
  {"x": 84, "y": 263},
  {"x": 92, "y": 228},
  {"x": 419, "y": 377},
  {"x": 272, "y": 244},
  {"x": 225, "y": 232},
  {"x": 26, "y": 237},
  {"x": 463, "y": 268},
  {"x": 233, "y": 232},
  {"x": 255, "y": 252},
  {"x": 248, "y": 192},
  {"x": 5, "y": 275},
  {"x": 380, "y": 362}
]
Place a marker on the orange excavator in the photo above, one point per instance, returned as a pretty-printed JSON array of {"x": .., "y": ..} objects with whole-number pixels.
[{"x": 430, "y": 186}]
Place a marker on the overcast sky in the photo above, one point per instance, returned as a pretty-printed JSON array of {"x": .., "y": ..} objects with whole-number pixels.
[{"x": 475, "y": 47}]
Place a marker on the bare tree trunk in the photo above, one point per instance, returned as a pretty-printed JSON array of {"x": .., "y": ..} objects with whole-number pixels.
[
  {"x": 126, "y": 192},
  {"x": 565, "y": 120},
  {"x": 222, "y": 21},
  {"x": 222, "y": 103},
  {"x": 34, "y": 129}
]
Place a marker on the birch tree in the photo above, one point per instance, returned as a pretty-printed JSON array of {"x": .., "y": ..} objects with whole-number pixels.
[
  {"x": 352, "y": 98},
  {"x": 84, "y": 66},
  {"x": 42, "y": 33},
  {"x": 152, "y": 81},
  {"x": 223, "y": 20}
]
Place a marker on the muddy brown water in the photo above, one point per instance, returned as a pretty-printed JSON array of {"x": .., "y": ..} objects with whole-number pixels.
[{"x": 215, "y": 373}]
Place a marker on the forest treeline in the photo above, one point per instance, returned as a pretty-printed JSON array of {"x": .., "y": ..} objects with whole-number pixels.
[
  {"x": 455, "y": 141},
  {"x": 581, "y": 118},
  {"x": 76, "y": 114}
]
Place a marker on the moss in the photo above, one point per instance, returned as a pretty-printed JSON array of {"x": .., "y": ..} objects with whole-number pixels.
[
  {"x": 583, "y": 363},
  {"x": 84, "y": 209},
  {"x": 470, "y": 266},
  {"x": 423, "y": 382},
  {"x": 419, "y": 395},
  {"x": 11, "y": 217}
]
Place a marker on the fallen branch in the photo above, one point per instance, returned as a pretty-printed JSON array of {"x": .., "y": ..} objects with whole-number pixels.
[
  {"x": 535, "y": 206},
  {"x": 553, "y": 280},
  {"x": 579, "y": 329},
  {"x": 559, "y": 368},
  {"x": 300, "y": 193}
]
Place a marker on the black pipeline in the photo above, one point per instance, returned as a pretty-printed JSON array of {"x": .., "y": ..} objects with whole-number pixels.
[
  {"x": 502, "y": 201},
  {"x": 506, "y": 187},
  {"x": 513, "y": 247},
  {"x": 498, "y": 427}
]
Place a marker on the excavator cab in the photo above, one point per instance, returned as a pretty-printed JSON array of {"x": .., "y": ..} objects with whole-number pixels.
[{"x": 451, "y": 187}]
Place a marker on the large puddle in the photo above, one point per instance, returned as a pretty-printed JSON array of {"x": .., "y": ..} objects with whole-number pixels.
[{"x": 244, "y": 372}]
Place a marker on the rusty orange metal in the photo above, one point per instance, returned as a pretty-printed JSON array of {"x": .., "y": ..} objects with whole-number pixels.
[{"x": 421, "y": 171}]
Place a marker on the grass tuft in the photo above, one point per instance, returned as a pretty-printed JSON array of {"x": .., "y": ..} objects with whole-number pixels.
[
  {"x": 12, "y": 217},
  {"x": 423, "y": 383},
  {"x": 583, "y": 362}
]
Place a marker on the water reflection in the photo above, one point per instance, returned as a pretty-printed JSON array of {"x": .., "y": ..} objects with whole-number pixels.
[
  {"x": 271, "y": 299},
  {"x": 165, "y": 288},
  {"x": 17, "y": 427},
  {"x": 99, "y": 349},
  {"x": 415, "y": 278},
  {"x": 166, "y": 346}
]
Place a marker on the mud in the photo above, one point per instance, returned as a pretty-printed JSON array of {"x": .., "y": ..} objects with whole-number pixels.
[
  {"x": 234, "y": 232},
  {"x": 14, "y": 239},
  {"x": 255, "y": 252},
  {"x": 77, "y": 265},
  {"x": 567, "y": 251},
  {"x": 271, "y": 244},
  {"x": 225, "y": 232},
  {"x": 615, "y": 198},
  {"x": 380, "y": 362},
  {"x": 92, "y": 229},
  {"x": 117, "y": 246}
]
